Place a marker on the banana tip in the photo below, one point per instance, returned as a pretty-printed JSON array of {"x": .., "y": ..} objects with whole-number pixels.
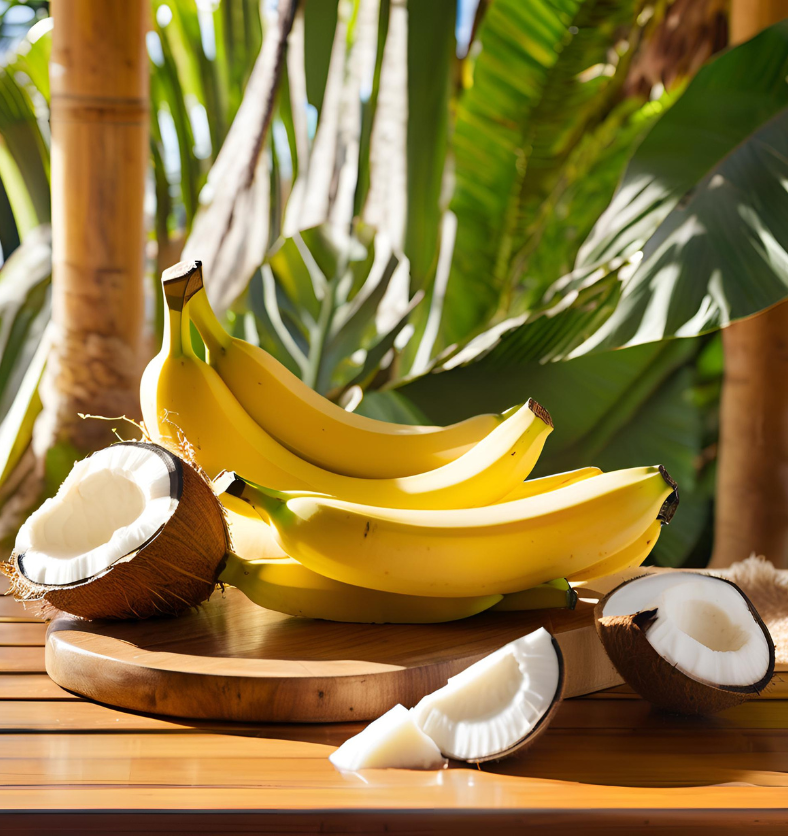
[
  {"x": 540, "y": 412},
  {"x": 181, "y": 282},
  {"x": 670, "y": 505},
  {"x": 230, "y": 483}
]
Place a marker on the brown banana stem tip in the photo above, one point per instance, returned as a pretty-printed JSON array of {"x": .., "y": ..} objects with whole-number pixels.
[
  {"x": 181, "y": 282},
  {"x": 540, "y": 412},
  {"x": 670, "y": 505}
]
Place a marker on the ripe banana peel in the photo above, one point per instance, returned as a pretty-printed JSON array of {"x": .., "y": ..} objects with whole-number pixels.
[
  {"x": 266, "y": 575},
  {"x": 556, "y": 594},
  {"x": 295, "y": 590},
  {"x": 183, "y": 398},
  {"x": 251, "y": 536},
  {"x": 288, "y": 587},
  {"x": 545, "y": 484},
  {"x": 628, "y": 558},
  {"x": 455, "y": 553},
  {"x": 310, "y": 425}
]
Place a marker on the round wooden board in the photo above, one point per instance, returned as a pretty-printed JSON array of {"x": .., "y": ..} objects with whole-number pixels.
[{"x": 232, "y": 660}]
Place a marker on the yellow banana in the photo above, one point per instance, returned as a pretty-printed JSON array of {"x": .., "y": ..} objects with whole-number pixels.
[
  {"x": 266, "y": 575},
  {"x": 183, "y": 396},
  {"x": 557, "y": 594},
  {"x": 453, "y": 553},
  {"x": 628, "y": 558},
  {"x": 251, "y": 535},
  {"x": 288, "y": 587},
  {"x": 313, "y": 427},
  {"x": 545, "y": 484}
]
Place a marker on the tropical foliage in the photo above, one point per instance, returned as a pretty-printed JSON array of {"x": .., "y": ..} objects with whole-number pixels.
[{"x": 443, "y": 226}]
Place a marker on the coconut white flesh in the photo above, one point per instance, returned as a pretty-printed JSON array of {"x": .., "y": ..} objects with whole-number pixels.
[
  {"x": 496, "y": 703},
  {"x": 703, "y": 626},
  {"x": 393, "y": 740},
  {"x": 107, "y": 507}
]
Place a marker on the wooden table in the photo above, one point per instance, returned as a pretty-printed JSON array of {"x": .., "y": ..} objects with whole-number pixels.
[{"x": 608, "y": 764}]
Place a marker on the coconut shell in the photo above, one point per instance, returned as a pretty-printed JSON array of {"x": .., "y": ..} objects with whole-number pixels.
[
  {"x": 544, "y": 721},
  {"x": 174, "y": 570},
  {"x": 624, "y": 638}
]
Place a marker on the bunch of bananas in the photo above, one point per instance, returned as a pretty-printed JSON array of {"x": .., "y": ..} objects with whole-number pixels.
[{"x": 348, "y": 518}]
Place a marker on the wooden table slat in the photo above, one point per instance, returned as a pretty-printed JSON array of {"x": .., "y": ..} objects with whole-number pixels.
[
  {"x": 392, "y": 790},
  {"x": 30, "y": 686},
  {"x": 10, "y": 607},
  {"x": 22, "y": 634},
  {"x": 581, "y": 715},
  {"x": 275, "y": 741},
  {"x": 22, "y": 660}
]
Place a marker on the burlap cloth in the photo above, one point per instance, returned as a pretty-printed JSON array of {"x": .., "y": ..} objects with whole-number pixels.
[{"x": 767, "y": 588}]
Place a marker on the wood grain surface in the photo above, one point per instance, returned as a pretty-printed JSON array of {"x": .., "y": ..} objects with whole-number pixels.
[
  {"x": 232, "y": 660},
  {"x": 607, "y": 764}
]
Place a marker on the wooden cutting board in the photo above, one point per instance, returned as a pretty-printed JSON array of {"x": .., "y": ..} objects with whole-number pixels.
[{"x": 233, "y": 660}]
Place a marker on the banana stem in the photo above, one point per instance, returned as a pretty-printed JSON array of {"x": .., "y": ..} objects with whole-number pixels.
[
  {"x": 177, "y": 334},
  {"x": 176, "y": 282},
  {"x": 211, "y": 330},
  {"x": 233, "y": 570},
  {"x": 265, "y": 501}
]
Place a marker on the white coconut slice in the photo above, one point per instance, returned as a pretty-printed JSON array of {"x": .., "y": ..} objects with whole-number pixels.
[
  {"x": 687, "y": 642},
  {"x": 133, "y": 531},
  {"x": 497, "y": 705},
  {"x": 393, "y": 740}
]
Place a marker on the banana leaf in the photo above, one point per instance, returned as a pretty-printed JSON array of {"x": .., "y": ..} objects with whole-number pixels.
[
  {"x": 32, "y": 56},
  {"x": 24, "y": 155},
  {"x": 696, "y": 235},
  {"x": 167, "y": 90},
  {"x": 431, "y": 50},
  {"x": 230, "y": 233},
  {"x": 238, "y": 34},
  {"x": 587, "y": 182},
  {"x": 703, "y": 207},
  {"x": 197, "y": 73},
  {"x": 320, "y": 23},
  {"x": 9, "y": 234},
  {"x": 24, "y": 314},
  {"x": 537, "y": 88}
]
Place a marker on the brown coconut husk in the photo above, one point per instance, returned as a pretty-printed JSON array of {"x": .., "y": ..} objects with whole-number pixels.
[
  {"x": 625, "y": 641},
  {"x": 175, "y": 570}
]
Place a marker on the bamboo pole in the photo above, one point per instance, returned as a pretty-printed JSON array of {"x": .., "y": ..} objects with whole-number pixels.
[
  {"x": 99, "y": 83},
  {"x": 752, "y": 480}
]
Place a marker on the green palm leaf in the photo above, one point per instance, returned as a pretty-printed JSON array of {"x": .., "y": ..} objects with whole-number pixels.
[
  {"x": 540, "y": 82},
  {"x": 704, "y": 204}
]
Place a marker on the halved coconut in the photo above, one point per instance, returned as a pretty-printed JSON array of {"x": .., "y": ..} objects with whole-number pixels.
[
  {"x": 499, "y": 704},
  {"x": 393, "y": 740},
  {"x": 687, "y": 642},
  {"x": 132, "y": 532}
]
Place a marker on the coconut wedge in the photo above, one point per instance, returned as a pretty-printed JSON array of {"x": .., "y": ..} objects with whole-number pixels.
[
  {"x": 393, "y": 740},
  {"x": 499, "y": 704},
  {"x": 132, "y": 532},
  {"x": 496, "y": 706},
  {"x": 687, "y": 642}
]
